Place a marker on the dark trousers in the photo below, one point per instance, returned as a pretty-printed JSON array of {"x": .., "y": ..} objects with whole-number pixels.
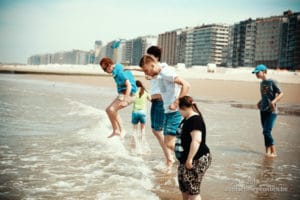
[{"x": 267, "y": 121}]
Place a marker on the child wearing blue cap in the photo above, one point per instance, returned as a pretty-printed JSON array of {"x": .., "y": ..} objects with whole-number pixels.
[{"x": 270, "y": 95}]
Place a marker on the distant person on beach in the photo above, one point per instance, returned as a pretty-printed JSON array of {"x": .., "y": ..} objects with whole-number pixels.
[
  {"x": 191, "y": 149},
  {"x": 171, "y": 87},
  {"x": 139, "y": 112},
  {"x": 126, "y": 89},
  {"x": 270, "y": 95}
]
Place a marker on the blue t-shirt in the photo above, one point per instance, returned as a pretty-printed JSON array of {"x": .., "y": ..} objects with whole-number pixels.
[
  {"x": 268, "y": 88},
  {"x": 120, "y": 76}
]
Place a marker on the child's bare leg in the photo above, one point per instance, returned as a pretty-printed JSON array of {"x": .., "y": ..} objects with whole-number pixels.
[
  {"x": 269, "y": 151},
  {"x": 120, "y": 126},
  {"x": 143, "y": 133},
  {"x": 135, "y": 137},
  {"x": 160, "y": 138},
  {"x": 170, "y": 144},
  {"x": 112, "y": 112},
  {"x": 273, "y": 151}
]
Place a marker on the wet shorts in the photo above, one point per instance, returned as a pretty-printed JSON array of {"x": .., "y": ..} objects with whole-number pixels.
[
  {"x": 189, "y": 180},
  {"x": 157, "y": 115},
  {"x": 138, "y": 117},
  {"x": 171, "y": 122}
]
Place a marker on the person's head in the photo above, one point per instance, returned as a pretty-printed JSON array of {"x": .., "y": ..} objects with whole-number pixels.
[
  {"x": 187, "y": 106},
  {"x": 155, "y": 51},
  {"x": 149, "y": 65},
  {"x": 140, "y": 85},
  {"x": 260, "y": 71},
  {"x": 106, "y": 64}
]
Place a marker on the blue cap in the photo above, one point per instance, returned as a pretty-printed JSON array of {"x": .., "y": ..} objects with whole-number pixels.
[{"x": 259, "y": 68}]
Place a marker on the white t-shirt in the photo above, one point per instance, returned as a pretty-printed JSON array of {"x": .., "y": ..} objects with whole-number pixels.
[
  {"x": 154, "y": 83},
  {"x": 168, "y": 89}
]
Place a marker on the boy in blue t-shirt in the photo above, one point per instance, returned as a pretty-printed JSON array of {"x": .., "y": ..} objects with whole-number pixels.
[
  {"x": 270, "y": 95},
  {"x": 126, "y": 88}
]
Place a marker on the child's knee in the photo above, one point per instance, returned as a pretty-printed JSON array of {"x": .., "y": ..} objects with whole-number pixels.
[
  {"x": 169, "y": 144},
  {"x": 110, "y": 109}
]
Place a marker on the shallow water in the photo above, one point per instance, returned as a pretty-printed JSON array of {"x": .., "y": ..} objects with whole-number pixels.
[{"x": 54, "y": 145}]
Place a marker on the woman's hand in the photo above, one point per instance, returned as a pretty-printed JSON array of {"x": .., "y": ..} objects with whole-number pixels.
[{"x": 189, "y": 164}]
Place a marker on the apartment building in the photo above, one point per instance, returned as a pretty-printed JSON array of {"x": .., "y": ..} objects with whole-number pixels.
[
  {"x": 64, "y": 57},
  {"x": 137, "y": 47},
  {"x": 243, "y": 43},
  {"x": 269, "y": 44},
  {"x": 97, "y": 48},
  {"x": 292, "y": 38},
  {"x": 208, "y": 44},
  {"x": 168, "y": 42}
]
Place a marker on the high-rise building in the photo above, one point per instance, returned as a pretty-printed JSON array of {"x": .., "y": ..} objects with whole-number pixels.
[
  {"x": 121, "y": 52},
  {"x": 97, "y": 48},
  {"x": 181, "y": 44},
  {"x": 243, "y": 43},
  {"x": 64, "y": 57},
  {"x": 128, "y": 52},
  {"x": 291, "y": 37},
  {"x": 140, "y": 46},
  {"x": 273, "y": 41},
  {"x": 269, "y": 46},
  {"x": 109, "y": 51},
  {"x": 189, "y": 48},
  {"x": 168, "y": 42},
  {"x": 208, "y": 44}
]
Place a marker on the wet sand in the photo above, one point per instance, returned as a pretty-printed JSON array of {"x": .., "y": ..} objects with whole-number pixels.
[
  {"x": 241, "y": 94},
  {"x": 218, "y": 90}
]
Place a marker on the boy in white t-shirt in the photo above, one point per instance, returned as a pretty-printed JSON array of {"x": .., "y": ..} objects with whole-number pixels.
[{"x": 171, "y": 87}]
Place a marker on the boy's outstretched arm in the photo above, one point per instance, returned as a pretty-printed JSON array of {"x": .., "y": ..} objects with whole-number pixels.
[
  {"x": 185, "y": 87},
  {"x": 133, "y": 68}
]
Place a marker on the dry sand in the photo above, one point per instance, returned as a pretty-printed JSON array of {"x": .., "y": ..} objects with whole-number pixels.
[{"x": 215, "y": 90}]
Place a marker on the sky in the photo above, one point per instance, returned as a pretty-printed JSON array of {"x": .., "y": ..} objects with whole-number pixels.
[{"x": 29, "y": 27}]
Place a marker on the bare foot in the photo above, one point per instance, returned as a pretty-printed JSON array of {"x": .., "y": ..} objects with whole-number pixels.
[
  {"x": 170, "y": 163},
  {"x": 273, "y": 155},
  {"x": 122, "y": 134},
  {"x": 114, "y": 133}
]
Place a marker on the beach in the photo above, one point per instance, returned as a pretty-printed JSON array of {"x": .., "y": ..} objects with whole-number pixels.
[{"x": 54, "y": 128}]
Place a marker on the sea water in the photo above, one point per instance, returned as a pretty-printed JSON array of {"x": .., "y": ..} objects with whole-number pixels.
[{"x": 54, "y": 145}]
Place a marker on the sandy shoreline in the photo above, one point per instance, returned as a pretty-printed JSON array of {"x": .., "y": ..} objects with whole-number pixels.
[
  {"x": 242, "y": 94},
  {"x": 218, "y": 90}
]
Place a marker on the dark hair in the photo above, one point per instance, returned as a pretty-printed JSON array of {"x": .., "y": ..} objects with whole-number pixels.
[
  {"x": 140, "y": 84},
  {"x": 147, "y": 59},
  {"x": 188, "y": 102},
  {"x": 106, "y": 61},
  {"x": 155, "y": 51}
]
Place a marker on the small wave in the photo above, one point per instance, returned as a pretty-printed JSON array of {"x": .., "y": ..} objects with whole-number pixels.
[{"x": 78, "y": 108}]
